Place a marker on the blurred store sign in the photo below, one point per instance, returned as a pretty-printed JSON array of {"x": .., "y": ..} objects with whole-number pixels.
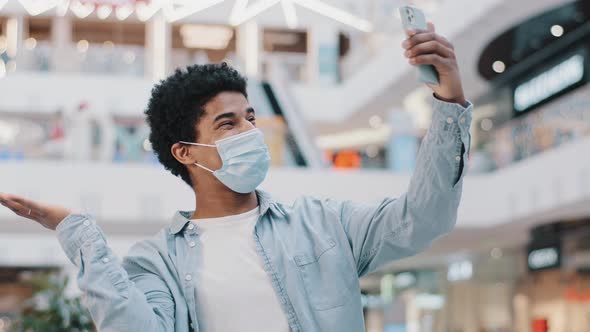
[
  {"x": 544, "y": 258},
  {"x": 460, "y": 271},
  {"x": 549, "y": 83}
]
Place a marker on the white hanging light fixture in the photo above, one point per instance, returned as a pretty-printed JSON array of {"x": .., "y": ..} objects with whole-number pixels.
[
  {"x": 123, "y": 12},
  {"x": 36, "y": 7},
  {"x": 242, "y": 12},
  {"x": 81, "y": 10},
  {"x": 144, "y": 11},
  {"x": 104, "y": 11}
]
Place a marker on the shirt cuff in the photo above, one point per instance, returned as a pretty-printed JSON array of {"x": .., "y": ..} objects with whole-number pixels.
[
  {"x": 75, "y": 231},
  {"x": 450, "y": 120}
]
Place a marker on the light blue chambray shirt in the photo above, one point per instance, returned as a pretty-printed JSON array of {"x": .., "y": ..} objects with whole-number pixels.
[{"x": 314, "y": 250}]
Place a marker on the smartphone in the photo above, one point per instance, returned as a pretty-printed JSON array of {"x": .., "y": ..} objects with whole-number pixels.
[{"x": 413, "y": 18}]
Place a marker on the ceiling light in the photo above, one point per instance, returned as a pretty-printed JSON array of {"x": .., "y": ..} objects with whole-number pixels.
[
  {"x": 372, "y": 151},
  {"x": 557, "y": 30},
  {"x": 215, "y": 37},
  {"x": 104, "y": 11},
  {"x": 123, "y": 12},
  {"x": 486, "y": 124},
  {"x": 496, "y": 253},
  {"x": 30, "y": 43},
  {"x": 375, "y": 121},
  {"x": 82, "y": 46},
  {"x": 35, "y": 8},
  {"x": 336, "y": 14},
  {"x": 290, "y": 13},
  {"x": 129, "y": 57},
  {"x": 81, "y": 10},
  {"x": 498, "y": 66},
  {"x": 108, "y": 44},
  {"x": 144, "y": 11}
]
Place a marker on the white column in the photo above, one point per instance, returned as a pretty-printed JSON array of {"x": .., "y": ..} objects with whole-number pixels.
[
  {"x": 248, "y": 48},
  {"x": 158, "y": 47},
  {"x": 62, "y": 44},
  {"x": 14, "y": 35},
  {"x": 322, "y": 54}
]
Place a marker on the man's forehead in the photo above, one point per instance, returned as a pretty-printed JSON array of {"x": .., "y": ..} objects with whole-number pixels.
[{"x": 226, "y": 102}]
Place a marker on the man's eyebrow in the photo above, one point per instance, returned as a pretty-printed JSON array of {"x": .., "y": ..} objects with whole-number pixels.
[
  {"x": 230, "y": 115},
  {"x": 224, "y": 115}
]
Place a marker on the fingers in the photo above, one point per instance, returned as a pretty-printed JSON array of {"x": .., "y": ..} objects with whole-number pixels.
[
  {"x": 430, "y": 47},
  {"x": 430, "y": 59},
  {"x": 27, "y": 203},
  {"x": 20, "y": 206},
  {"x": 425, "y": 36}
]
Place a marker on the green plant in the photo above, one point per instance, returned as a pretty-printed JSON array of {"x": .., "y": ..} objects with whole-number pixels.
[{"x": 49, "y": 310}]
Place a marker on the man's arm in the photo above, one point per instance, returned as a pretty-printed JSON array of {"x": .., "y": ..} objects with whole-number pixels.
[
  {"x": 404, "y": 226},
  {"x": 401, "y": 227},
  {"x": 134, "y": 298}
]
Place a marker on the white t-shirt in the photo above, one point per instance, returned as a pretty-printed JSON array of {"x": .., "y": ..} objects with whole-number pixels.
[{"x": 234, "y": 292}]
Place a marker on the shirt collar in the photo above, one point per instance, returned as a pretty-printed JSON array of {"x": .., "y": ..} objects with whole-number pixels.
[{"x": 181, "y": 218}]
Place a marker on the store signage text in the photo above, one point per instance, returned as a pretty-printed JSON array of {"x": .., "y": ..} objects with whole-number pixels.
[
  {"x": 549, "y": 83},
  {"x": 543, "y": 258}
]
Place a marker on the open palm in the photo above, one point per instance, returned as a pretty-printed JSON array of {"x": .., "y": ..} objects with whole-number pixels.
[{"x": 47, "y": 215}]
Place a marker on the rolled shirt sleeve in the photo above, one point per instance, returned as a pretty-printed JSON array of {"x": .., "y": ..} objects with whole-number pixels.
[{"x": 400, "y": 227}]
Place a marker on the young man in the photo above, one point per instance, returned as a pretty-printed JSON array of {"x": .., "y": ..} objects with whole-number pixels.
[{"x": 241, "y": 261}]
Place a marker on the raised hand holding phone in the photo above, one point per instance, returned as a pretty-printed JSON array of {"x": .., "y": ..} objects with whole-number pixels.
[{"x": 433, "y": 54}]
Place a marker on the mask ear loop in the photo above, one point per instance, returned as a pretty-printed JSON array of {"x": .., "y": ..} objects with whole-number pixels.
[{"x": 200, "y": 144}]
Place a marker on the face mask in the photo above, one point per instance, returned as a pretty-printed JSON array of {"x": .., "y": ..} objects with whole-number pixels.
[{"x": 245, "y": 160}]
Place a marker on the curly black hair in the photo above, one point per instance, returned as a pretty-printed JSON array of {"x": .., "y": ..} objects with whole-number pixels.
[{"x": 177, "y": 103}]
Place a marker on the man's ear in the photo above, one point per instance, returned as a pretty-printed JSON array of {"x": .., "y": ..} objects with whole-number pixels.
[{"x": 182, "y": 153}]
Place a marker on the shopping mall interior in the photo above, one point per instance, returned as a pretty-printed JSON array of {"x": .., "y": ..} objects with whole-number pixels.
[{"x": 343, "y": 115}]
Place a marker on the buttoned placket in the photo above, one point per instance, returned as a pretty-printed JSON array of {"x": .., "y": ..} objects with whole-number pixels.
[{"x": 190, "y": 237}]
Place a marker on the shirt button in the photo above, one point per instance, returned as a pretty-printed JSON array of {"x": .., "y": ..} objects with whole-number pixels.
[
  {"x": 458, "y": 158},
  {"x": 462, "y": 120},
  {"x": 192, "y": 244},
  {"x": 188, "y": 277},
  {"x": 191, "y": 226},
  {"x": 449, "y": 120},
  {"x": 106, "y": 260},
  {"x": 87, "y": 223}
]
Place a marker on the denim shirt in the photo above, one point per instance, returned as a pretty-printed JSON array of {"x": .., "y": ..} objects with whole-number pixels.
[{"x": 314, "y": 250}]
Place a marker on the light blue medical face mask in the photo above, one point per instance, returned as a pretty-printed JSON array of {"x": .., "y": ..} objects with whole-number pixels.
[{"x": 245, "y": 160}]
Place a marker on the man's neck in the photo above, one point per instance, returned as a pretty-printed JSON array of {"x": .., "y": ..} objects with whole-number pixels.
[{"x": 216, "y": 204}]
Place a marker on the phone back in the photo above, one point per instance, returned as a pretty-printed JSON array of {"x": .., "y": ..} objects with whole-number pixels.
[{"x": 414, "y": 18}]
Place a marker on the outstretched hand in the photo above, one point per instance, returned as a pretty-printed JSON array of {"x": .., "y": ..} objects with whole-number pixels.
[{"x": 49, "y": 216}]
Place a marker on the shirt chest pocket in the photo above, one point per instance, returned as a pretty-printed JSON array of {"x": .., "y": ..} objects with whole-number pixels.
[{"x": 327, "y": 278}]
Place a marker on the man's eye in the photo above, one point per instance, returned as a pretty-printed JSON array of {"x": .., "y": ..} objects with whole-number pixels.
[{"x": 226, "y": 124}]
